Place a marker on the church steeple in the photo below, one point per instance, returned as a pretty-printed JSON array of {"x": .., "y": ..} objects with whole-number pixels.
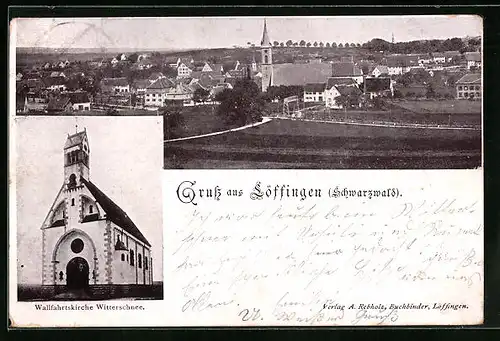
[
  {"x": 265, "y": 41},
  {"x": 267, "y": 60},
  {"x": 76, "y": 159}
]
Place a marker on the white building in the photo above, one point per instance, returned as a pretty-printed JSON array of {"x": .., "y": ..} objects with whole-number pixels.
[
  {"x": 314, "y": 92},
  {"x": 115, "y": 85},
  {"x": 380, "y": 70},
  {"x": 338, "y": 86},
  {"x": 473, "y": 59},
  {"x": 86, "y": 238},
  {"x": 439, "y": 58},
  {"x": 156, "y": 93}
]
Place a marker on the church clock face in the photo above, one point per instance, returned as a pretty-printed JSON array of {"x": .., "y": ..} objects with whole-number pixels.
[{"x": 77, "y": 245}]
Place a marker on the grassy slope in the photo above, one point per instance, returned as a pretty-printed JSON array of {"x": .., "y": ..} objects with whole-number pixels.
[{"x": 296, "y": 144}]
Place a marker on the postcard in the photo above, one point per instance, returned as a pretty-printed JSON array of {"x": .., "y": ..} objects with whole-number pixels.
[{"x": 246, "y": 171}]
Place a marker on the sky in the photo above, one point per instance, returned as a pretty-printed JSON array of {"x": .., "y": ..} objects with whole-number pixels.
[
  {"x": 212, "y": 32},
  {"x": 126, "y": 160}
]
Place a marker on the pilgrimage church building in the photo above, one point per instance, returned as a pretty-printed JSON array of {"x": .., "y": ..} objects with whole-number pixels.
[{"x": 87, "y": 239}]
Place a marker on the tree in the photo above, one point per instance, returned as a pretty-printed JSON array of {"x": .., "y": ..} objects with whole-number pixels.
[
  {"x": 308, "y": 44},
  {"x": 358, "y": 45},
  {"x": 213, "y": 60},
  {"x": 302, "y": 43},
  {"x": 168, "y": 71},
  {"x": 295, "y": 44},
  {"x": 365, "y": 69},
  {"x": 276, "y": 43},
  {"x": 289, "y": 43},
  {"x": 346, "y": 45},
  {"x": 343, "y": 101},
  {"x": 173, "y": 120},
  {"x": 282, "y": 44},
  {"x": 241, "y": 105},
  {"x": 430, "y": 92},
  {"x": 315, "y": 44},
  {"x": 200, "y": 95},
  {"x": 321, "y": 44},
  {"x": 340, "y": 45},
  {"x": 334, "y": 44},
  {"x": 327, "y": 45},
  {"x": 133, "y": 57}
]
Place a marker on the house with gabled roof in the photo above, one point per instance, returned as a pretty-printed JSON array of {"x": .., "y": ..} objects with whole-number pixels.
[
  {"x": 378, "y": 86},
  {"x": 59, "y": 104},
  {"x": 337, "y": 86},
  {"x": 115, "y": 85},
  {"x": 469, "y": 86},
  {"x": 156, "y": 93},
  {"x": 314, "y": 92},
  {"x": 438, "y": 57},
  {"x": 87, "y": 238},
  {"x": 449, "y": 55},
  {"x": 209, "y": 67},
  {"x": 184, "y": 69},
  {"x": 80, "y": 100},
  {"x": 473, "y": 59},
  {"x": 55, "y": 83},
  {"x": 380, "y": 70}
]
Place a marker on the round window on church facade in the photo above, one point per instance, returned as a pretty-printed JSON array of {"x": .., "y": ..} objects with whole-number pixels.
[{"x": 77, "y": 245}]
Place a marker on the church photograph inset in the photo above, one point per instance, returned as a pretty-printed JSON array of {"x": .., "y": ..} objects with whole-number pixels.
[{"x": 91, "y": 249}]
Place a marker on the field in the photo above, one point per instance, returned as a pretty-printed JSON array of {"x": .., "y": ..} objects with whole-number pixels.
[
  {"x": 301, "y": 144},
  {"x": 198, "y": 120},
  {"x": 441, "y": 106},
  {"x": 398, "y": 116}
]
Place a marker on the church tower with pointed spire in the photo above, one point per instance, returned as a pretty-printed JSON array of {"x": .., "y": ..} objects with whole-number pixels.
[{"x": 267, "y": 59}]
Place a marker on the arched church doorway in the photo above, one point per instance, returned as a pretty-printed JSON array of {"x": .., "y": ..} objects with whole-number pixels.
[{"x": 77, "y": 273}]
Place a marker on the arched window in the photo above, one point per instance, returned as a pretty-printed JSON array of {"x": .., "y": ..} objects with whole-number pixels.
[
  {"x": 61, "y": 275},
  {"x": 131, "y": 257},
  {"x": 91, "y": 209},
  {"x": 265, "y": 59},
  {"x": 139, "y": 260},
  {"x": 123, "y": 257},
  {"x": 72, "y": 181},
  {"x": 72, "y": 201},
  {"x": 145, "y": 262}
]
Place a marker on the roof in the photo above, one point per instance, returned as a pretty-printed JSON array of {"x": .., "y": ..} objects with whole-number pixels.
[
  {"x": 348, "y": 90},
  {"x": 473, "y": 56},
  {"x": 78, "y": 97},
  {"x": 236, "y": 73},
  {"x": 378, "y": 84},
  {"x": 141, "y": 83},
  {"x": 75, "y": 139},
  {"x": 334, "y": 81},
  {"x": 345, "y": 69},
  {"x": 314, "y": 87},
  {"x": 438, "y": 55},
  {"x": 382, "y": 68},
  {"x": 265, "y": 41},
  {"x": 397, "y": 62},
  {"x": 58, "y": 80},
  {"x": 58, "y": 104},
  {"x": 470, "y": 78},
  {"x": 215, "y": 67},
  {"x": 119, "y": 81},
  {"x": 452, "y": 53},
  {"x": 160, "y": 84},
  {"x": 301, "y": 74},
  {"x": 114, "y": 212},
  {"x": 155, "y": 76}
]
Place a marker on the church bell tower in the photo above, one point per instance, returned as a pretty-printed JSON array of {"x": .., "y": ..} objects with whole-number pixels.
[
  {"x": 76, "y": 159},
  {"x": 267, "y": 59}
]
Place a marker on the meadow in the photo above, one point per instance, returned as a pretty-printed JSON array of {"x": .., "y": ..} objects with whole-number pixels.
[{"x": 302, "y": 144}]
